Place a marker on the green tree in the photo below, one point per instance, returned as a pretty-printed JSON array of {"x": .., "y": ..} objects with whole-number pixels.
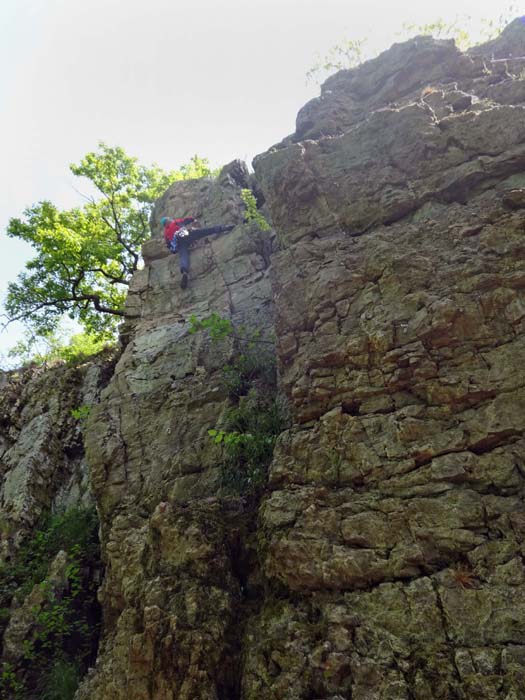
[
  {"x": 85, "y": 256},
  {"x": 54, "y": 346}
]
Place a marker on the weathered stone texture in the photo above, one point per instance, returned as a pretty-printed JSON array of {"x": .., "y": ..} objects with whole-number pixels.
[
  {"x": 395, "y": 518},
  {"x": 175, "y": 589},
  {"x": 390, "y": 561},
  {"x": 42, "y": 463},
  {"x": 42, "y": 469}
]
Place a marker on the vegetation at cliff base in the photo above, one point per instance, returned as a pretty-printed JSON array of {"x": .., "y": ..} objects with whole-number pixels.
[
  {"x": 52, "y": 347},
  {"x": 65, "y": 616},
  {"x": 85, "y": 256}
]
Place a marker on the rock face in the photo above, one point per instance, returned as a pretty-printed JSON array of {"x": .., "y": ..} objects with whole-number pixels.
[
  {"x": 43, "y": 470},
  {"x": 395, "y": 519},
  {"x": 42, "y": 461},
  {"x": 178, "y": 558},
  {"x": 385, "y": 559}
]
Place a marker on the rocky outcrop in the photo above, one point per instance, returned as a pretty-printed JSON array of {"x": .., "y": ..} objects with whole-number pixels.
[
  {"x": 46, "y": 594},
  {"x": 42, "y": 462},
  {"x": 385, "y": 557},
  {"x": 394, "y": 521},
  {"x": 179, "y": 558}
]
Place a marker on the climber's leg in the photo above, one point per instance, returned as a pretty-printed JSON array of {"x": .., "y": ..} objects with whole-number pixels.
[
  {"x": 184, "y": 262},
  {"x": 197, "y": 233}
]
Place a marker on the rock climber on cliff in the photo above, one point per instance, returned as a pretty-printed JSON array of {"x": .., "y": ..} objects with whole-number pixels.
[{"x": 179, "y": 238}]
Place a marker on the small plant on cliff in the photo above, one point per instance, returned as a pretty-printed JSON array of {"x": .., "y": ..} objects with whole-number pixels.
[
  {"x": 85, "y": 256},
  {"x": 217, "y": 326},
  {"x": 61, "y": 681},
  {"x": 253, "y": 364},
  {"x": 81, "y": 413},
  {"x": 250, "y": 427},
  {"x": 254, "y": 358},
  {"x": 350, "y": 53},
  {"x": 347, "y": 54},
  {"x": 252, "y": 213},
  {"x": 250, "y": 430}
]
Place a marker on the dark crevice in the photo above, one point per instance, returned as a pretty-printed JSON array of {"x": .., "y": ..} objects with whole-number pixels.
[
  {"x": 494, "y": 440},
  {"x": 351, "y": 408},
  {"x": 245, "y": 569}
]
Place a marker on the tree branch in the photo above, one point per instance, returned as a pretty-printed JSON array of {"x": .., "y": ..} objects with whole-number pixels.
[
  {"x": 93, "y": 298},
  {"x": 107, "y": 275},
  {"x": 117, "y": 229}
]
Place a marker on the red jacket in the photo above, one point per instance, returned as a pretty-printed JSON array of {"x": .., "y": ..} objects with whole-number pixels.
[{"x": 171, "y": 228}]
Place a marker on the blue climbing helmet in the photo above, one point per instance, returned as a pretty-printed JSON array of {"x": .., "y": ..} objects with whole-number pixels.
[{"x": 164, "y": 221}]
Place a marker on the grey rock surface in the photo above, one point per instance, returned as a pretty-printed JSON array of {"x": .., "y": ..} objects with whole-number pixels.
[
  {"x": 173, "y": 593},
  {"x": 42, "y": 462},
  {"x": 385, "y": 558}
]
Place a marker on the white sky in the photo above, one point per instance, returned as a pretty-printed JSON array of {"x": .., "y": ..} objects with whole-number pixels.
[{"x": 165, "y": 79}]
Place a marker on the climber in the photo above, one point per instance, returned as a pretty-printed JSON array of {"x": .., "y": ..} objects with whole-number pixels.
[{"x": 179, "y": 238}]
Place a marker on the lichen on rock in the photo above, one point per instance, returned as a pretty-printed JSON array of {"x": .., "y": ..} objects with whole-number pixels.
[
  {"x": 382, "y": 557},
  {"x": 50, "y": 559}
]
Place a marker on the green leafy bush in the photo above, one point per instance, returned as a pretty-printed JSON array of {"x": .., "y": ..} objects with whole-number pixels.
[
  {"x": 11, "y": 688},
  {"x": 257, "y": 415},
  {"x": 61, "y": 681},
  {"x": 51, "y": 347},
  {"x": 248, "y": 438},
  {"x": 252, "y": 213},
  {"x": 75, "y": 531},
  {"x": 254, "y": 364},
  {"x": 217, "y": 326}
]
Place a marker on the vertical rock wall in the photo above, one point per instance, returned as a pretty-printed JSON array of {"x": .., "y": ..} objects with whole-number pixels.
[
  {"x": 43, "y": 469},
  {"x": 385, "y": 560},
  {"x": 42, "y": 461},
  {"x": 394, "y": 527},
  {"x": 175, "y": 593}
]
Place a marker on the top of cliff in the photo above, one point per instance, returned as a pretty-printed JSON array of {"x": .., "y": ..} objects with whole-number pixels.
[{"x": 398, "y": 75}]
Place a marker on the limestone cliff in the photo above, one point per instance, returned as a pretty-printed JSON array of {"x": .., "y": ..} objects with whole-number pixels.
[
  {"x": 42, "y": 458},
  {"x": 382, "y": 559},
  {"x": 47, "y": 507},
  {"x": 178, "y": 558},
  {"x": 394, "y": 517}
]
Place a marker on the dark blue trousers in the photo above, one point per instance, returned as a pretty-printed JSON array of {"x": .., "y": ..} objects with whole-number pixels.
[{"x": 183, "y": 244}]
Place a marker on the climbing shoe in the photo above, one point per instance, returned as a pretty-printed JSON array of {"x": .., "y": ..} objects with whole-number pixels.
[{"x": 184, "y": 280}]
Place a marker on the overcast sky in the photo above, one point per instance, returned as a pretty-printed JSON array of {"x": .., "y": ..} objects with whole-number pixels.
[{"x": 165, "y": 79}]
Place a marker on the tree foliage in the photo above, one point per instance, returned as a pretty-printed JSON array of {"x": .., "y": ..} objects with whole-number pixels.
[
  {"x": 54, "y": 347},
  {"x": 85, "y": 256},
  {"x": 350, "y": 53}
]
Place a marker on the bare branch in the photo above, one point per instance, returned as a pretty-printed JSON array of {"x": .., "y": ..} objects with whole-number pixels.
[
  {"x": 87, "y": 298},
  {"x": 120, "y": 238},
  {"x": 91, "y": 200}
]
